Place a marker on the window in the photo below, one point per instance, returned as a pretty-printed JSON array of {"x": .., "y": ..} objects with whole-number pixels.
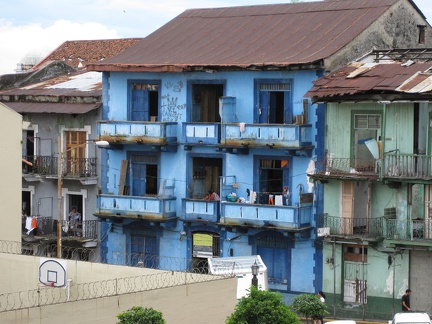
[
  {"x": 75, "y": 152},
  {"x": 421, "y": 34},
  {"x": 273, "y": 177},
  {"x": 205, "y": 102},
  {"x": 205, "y": 175},
  {"x": 144, "y": 101},
  {"x": 143, "y": 175},
  {"x": 367, "y": 130},
  {"x": 273, "y": 102}
]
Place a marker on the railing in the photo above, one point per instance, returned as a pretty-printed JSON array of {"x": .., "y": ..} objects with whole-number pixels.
[
  {"x": 348, "y": 226},
  {"x": 71, "y": 167},
  {"x": 411, "y": 166},
  {"x": 148, "y": 207},
  {"x": 348, "y": 166},
  {"x": 201, "y": 133},
  {"x": 200, "y": 210},
  {"x": 47, "y": 227},
  {"x": 141, "y": 132},
  {"x": 265, "y": 215},
  {"x": 273, "y": 135},
  {"x": 395, "y": 229}
]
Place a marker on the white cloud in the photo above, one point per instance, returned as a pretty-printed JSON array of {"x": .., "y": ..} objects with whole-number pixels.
[{"x": 33, "y": 39}]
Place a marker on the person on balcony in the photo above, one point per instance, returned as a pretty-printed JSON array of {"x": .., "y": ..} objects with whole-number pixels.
[
  {"x": 75, "y": 224},
  {"x": 212, "y": 196}
]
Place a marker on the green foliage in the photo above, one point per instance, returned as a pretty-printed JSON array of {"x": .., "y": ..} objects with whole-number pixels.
[
  {"x": 262, "y": 307},
  {"x": 309, "y": 306},
  {"x": 139, "y": 315}
]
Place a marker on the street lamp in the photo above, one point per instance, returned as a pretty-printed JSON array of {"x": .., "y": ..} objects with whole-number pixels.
[
  {"x": 255, "y": 268},
  {"x": 60, "y": 184}
]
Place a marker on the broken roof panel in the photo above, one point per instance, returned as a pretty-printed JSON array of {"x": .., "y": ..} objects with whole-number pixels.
[
  {"x": 262, "y": 35},
  {"x": 384, "y": 78}
]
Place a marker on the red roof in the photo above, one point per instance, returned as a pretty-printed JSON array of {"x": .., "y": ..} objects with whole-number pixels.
[{"x": 263, "y": 35}]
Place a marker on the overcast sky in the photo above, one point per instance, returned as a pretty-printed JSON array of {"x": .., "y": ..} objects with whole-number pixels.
[{"x": 32, "y": 28}]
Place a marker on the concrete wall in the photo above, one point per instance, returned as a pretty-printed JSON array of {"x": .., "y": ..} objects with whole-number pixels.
[
  {"x": 10, "y": 174},
  {"x": 200, "y": 302}
]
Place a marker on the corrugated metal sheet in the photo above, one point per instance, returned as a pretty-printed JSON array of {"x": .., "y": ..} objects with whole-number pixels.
[
  {"x": 52, "y": 108},
  {"x": 264, "y": 35},
  {"x": 363, "y": 78}
]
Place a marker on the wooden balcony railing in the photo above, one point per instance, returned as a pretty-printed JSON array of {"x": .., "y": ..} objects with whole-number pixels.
[
  {"x": 348, "y": 166},
  {"x": 407, "y": 166}
]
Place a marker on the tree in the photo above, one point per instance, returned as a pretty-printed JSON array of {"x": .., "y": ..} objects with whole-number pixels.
[
  {"x": 309, "y": 306},
  {"x": 262, "y": 307},
  {"x": 140, "y": 315}
]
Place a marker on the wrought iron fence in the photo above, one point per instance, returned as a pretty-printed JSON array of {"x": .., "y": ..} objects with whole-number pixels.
[
  {"x": 364, "y": 227},
  {"x": 71, "y": 167},
  {"x": 47, "y": 226},
  {"x": 396, "y": 229}
]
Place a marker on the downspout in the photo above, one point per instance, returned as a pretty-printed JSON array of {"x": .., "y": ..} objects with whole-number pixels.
[
  {"x": 334, "y": 278},
  {"x": 383, "y": 138}
]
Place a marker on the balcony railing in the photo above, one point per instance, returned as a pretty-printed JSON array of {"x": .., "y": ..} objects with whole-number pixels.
[
  {"x": 200, "y": 210},
  {"x": 266, "y": 135},
  {"x": 201, "y": 133},
  {"x": 148, "y": 207},
  {"x": 47, "y": 227},
  {"x": 71, "y": 167},
  {"x": 138, "y": 132},
  {"x": 348, "y": 166},
  {"x": 395, "y": 229},
  {"x": 407, "y": 166},
  {"x": 290, "y": 217},
  {"x": 348, "y": 226}
]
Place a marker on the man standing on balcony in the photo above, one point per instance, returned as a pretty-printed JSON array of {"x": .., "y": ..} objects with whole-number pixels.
[{"x": 406, "y": 301}]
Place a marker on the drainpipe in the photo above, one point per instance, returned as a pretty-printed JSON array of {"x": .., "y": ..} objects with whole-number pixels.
[
  {"x": 334, "y": 278},
  {"x": 383, "y": 136},
  {"x": 363, "y": 280}
]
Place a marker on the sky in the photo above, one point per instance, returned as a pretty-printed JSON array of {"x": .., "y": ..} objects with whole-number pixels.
[{"x": 31, "y": 29}]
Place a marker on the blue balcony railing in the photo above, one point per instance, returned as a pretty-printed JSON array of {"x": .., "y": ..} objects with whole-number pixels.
[
  {"x": 201, "y": 133},
  {"x": 200, "y": 210},
  {"x": 152, "y": 208},
  {"x": 138, "y": 132},
  {"x": 272, "y": 135},
  {"x": 292, "y": 217}
]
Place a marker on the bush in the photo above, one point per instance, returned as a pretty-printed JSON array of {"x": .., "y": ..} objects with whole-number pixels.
[
  {"x": 262, "y": 307},
  {"x": 309, "y": 306},
  {"x": 139, "y": 315}
]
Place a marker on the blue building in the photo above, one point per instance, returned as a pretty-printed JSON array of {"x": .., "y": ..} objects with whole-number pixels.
[{"x": 214, "y": 100}]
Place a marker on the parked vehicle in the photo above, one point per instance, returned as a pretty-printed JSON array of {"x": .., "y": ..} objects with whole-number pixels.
[{"x": 411, "y": 318}]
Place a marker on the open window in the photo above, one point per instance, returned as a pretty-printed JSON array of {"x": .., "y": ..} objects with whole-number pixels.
[
  {"x": 144, "y": 101},
  {"x": 273, "y": 102},
  {"x": 206, "y": 173},
  {"x": 205, "y": 102}
]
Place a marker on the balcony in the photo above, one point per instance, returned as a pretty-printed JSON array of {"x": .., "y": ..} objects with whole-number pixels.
[
  {"x": 138, "y": 132},
  {"x": 196, "y": 133},
  {"x": 153, "y": 208},
  {"x": 72, "y": 168},
  {"x": 47, "y": 228},
  {"x": 408, "y": 230},
  {"x": 198, "y": 210},
  {"x": 275, "y": 136},
  {"x": 407, "y": 166},
  {"x": 347, "y": 168},
  {"x": 349, "y": 227},
  {"x": 266, "y": 216}
]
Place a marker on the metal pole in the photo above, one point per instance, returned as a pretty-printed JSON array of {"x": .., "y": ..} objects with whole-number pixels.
[
  {"x": 59, "y": 199},
  {"x": 334, "y": 278}
]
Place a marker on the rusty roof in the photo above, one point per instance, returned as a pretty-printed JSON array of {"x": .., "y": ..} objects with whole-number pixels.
[
  {"x": 375, "y": 81},
  {"x": 52, "y": 108},
  {"x": 276, "y": 35},
  {"x": 79, "y": 53}
]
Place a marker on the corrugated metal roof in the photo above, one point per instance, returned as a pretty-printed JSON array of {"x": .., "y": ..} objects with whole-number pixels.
[
  {"x": 87, "y": 84},
  {"x": 365, "y": 78},
  {"x": 52, "y": 108},
  {"x": 263, "y": 35}
]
